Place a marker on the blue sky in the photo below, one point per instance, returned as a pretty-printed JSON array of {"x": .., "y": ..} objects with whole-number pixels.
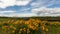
[{"x": 29, "y": 8}]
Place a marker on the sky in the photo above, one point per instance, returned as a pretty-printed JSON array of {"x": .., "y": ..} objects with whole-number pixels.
[{"x": 28, "y": 8}]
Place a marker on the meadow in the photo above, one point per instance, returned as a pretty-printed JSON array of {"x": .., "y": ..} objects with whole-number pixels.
[{"x": 29, "y": 25}]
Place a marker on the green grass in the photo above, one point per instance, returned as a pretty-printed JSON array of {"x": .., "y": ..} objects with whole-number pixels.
[{"x": 53, "y": 29}]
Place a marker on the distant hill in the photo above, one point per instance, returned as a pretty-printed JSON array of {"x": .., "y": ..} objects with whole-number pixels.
[{"x": 41, "y": 18}]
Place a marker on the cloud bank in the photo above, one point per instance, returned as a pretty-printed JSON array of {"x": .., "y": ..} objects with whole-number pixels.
[
  {"x": 46, "y": 11},
  {"x": 18, "y": 15},
  {"x": 40, "y": 7},
  {"x": 6, "y": 3}
]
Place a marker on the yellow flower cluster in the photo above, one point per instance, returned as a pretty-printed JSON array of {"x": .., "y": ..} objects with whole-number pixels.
[{"x": 21, "y": 25}]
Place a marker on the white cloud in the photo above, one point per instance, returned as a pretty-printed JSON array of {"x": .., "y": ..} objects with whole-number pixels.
[
  {"x": 11, "y": 13},
  {"x": 18, "y": 15},
  {"x": 23, "y": 3},
  {"x": 46, "y": 11},
  {"x": 6, "y": 3},
  {"x": 2, "y": 12}
]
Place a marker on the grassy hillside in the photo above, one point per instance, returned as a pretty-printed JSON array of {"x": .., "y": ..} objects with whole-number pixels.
[{"x": 29, "y": 25}]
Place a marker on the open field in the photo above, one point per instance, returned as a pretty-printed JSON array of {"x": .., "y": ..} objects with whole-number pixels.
[{"x": 29, "y": 25}]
